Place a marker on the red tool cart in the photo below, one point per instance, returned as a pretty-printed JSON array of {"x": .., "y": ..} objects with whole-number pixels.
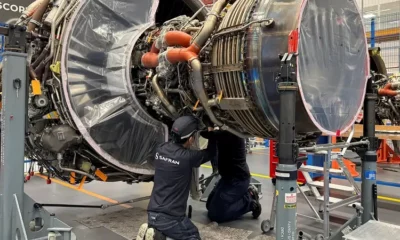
[{"x": 273, "y": 162}]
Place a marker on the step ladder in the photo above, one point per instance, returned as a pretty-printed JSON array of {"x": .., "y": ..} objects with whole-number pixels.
[
  {"x": 311, "y": 189},
  {"x": 314, "y": 186}
]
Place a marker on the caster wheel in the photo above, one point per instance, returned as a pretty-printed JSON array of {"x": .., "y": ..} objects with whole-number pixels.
[
  {"x": 32, "y": 225},
  {"x": 190, "y": 211},
  {"x": 48, "y": 181},
  {"x": 266, "y": 226},
  {"x": 31, "y": 174},
  {"x": 51, "y": 236},
  {"x": 27, "y": 178}
]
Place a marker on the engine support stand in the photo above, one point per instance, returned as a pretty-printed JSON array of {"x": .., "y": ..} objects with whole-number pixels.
[
  {"x": 369, "y": 159},
  {"x": 18, "y": 217},
  {"x": 286, "y": 171}
]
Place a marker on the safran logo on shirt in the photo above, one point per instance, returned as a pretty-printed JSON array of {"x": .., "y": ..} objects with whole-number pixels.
[{"x": 165, "y": 159}]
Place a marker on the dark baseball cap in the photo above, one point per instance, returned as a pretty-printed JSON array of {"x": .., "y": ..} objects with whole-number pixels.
[{"x": 185, "y": 126}]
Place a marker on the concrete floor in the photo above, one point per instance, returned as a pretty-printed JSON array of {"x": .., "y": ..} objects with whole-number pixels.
[{"x": 97, "y": 193}]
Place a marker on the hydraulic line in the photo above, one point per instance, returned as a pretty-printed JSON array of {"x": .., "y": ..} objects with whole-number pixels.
[{"x": 38, "y": 15}]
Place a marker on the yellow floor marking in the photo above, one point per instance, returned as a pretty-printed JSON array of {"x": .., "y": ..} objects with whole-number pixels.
[{"x": 92, "y": 194}]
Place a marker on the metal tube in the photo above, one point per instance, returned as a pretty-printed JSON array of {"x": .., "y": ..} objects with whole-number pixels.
[
  {"x": 53, "y": 26},
  {"x": 76, "y": 171},
  {"x": 194, "y": 16},
  {"x": 326, "y": 193},
  {"x": 68, "y": 205},
  {"x": 163, "y": 98},
  {"x": 198, "y": 88},
  {"x": 286, "y": 171},
  {"x": 199, "y": 6},
  {"x": 309, "y": 203},
  {"x": 368, "y": 174},
  {"x": 210, "y": 23},
  {"x": 38, "y": 15},
  {"x": 324, "y": 147},
  {"x": 348, "y": 139},
  {"x": 344, "y": 202}
]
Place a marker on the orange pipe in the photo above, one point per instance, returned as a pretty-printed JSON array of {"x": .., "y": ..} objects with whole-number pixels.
[
  {"x": 180, "y": 55},
  {"x": 150, "y": 59},
  {"x": 387, "y": 92},
  {"x": 388, "y": 86},
  {"x": 154, "y": 49},
  {"x": 177, "y": 38}
]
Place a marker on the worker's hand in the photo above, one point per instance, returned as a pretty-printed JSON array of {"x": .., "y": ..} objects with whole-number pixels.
[{"x": 210, "y": 129}]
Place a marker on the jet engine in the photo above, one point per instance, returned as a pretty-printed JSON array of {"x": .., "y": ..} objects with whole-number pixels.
[{"x": 110, "y": 76}]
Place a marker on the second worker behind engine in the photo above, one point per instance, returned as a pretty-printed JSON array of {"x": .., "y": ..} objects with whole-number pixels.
[{"x": 233, "y": 196}]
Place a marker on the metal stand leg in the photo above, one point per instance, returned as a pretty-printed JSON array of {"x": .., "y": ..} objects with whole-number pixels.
[
  {"x": 326, "y": 196},
  {"x": 286, "y": 171},
  {"x": 18, "y": 217},
  {"x": 369, "y": 160}
]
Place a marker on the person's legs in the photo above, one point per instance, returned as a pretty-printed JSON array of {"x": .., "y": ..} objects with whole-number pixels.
[
  {"x": 237, "y": 199},
  {"x": 216, "y": 189},
  {"x": 232, "y": 200},
  {"x": 173, "y": 227}
]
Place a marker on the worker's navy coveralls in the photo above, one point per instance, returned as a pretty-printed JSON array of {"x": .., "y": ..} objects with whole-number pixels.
[
  {"x": 230, "y": 199},
  {"x": 173, "y": 171}
]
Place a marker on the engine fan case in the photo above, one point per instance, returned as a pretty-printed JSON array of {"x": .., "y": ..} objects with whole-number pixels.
[
  {"x": 333, "y": 63},
  {"x": 97, "y": 84}
]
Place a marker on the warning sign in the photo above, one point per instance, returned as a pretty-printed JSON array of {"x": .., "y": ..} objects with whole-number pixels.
[
  {"x": 290, "y": 197},
  {"x": 290, "y": 206}
]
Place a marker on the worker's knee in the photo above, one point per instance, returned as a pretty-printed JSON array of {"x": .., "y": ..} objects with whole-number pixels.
[{"x": 216, "y": 216}]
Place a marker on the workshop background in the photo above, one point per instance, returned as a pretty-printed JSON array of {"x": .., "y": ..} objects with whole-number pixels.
[
  {"x": 381, "y": 18},
  {"x": 382, "y": 25}
]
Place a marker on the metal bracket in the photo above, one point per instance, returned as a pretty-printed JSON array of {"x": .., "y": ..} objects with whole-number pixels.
[
  {"x": 17, "y": 38},
  {"x": 288, "y": 68},
  {"x": 19, "y": 221},
  {"x": 242, "y": 28}
]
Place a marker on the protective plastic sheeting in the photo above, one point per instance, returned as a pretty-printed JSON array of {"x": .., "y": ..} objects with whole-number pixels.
[
  {"x": 97, "y": 82},
  {"x": 333, "y": 63}
]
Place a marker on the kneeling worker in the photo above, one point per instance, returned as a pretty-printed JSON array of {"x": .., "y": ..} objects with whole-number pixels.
[
  {"x": 233, "y": 196},
  {"x": 173, "y": 163}
]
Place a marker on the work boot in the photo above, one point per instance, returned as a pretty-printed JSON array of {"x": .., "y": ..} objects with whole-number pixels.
[
  {"x": 154, "y": 234},
  {"x": 254, "y": 193},
  {"x": 257, "y": 209},
  {"x": 142, "y": 231},
  {"x": 256, "y": 206}
]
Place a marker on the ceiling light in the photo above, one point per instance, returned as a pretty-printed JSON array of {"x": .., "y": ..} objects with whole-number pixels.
[{"x": 369, "y": 15}]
